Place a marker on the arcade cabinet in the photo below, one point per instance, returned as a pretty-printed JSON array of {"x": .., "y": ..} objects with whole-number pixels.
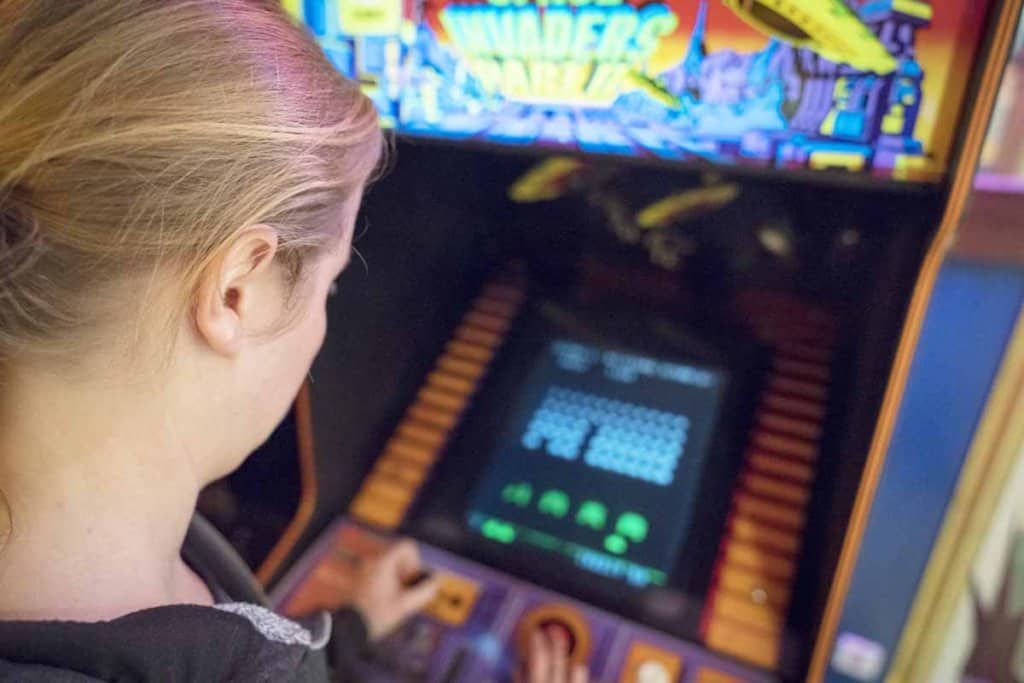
[
  {"x": 644, "y": 285},
  {"x": 966, "y": 507}
]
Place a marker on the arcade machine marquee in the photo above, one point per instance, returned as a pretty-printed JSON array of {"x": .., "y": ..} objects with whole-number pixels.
[{"x": 657, "y": 268}]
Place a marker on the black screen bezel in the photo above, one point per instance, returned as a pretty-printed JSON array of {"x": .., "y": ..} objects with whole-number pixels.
[{"x": 439, "y": 513}]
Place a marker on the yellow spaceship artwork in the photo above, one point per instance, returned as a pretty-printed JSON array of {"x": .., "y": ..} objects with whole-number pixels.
[{"x": 828, "y": 27}]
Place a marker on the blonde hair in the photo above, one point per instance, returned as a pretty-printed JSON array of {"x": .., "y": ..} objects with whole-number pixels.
[{"x": 140, "y": 136}]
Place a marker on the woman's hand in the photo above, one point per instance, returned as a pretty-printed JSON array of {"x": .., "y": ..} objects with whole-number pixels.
[
  {"x": 548, "y": 661},
  {"x": 387, "y": 592}
]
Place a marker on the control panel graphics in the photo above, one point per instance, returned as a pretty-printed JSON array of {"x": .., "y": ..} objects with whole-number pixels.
[{"x": 478, "y": 627}]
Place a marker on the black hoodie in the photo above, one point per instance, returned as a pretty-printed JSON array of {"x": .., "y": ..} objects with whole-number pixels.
[{"x": 238, "y": 639}]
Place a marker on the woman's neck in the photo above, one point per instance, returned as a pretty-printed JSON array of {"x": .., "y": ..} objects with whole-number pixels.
[{"x": 100, "y": 490}]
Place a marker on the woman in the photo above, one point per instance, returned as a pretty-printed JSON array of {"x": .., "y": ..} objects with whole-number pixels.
[{"x": 178, "y": 185}]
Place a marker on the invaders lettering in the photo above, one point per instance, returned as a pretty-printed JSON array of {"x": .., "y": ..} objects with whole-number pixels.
[{"x": 586, "y": 51}]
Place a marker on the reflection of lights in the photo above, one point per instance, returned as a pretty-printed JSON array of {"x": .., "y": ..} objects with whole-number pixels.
[{"x": 776, "y": 241}]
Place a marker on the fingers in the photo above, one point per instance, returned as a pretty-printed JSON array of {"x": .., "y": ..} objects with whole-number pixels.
[
  {"x": 560, "y": 660},
  {"x": 539, "y": 664},
  {"x": 548, "y": 661},
  {"x": 415, "y": 598},
  {"x": 548, "y": 658},
  {"x": 403, "y": 559}
]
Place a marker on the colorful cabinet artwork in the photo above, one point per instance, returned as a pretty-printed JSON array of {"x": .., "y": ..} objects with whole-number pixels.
[{"x": 937, "y": 593}]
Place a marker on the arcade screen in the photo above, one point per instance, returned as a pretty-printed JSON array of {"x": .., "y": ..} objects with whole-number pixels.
[
  {"x": 871, "y": 86},
  {"x": 600, "y": 460}
]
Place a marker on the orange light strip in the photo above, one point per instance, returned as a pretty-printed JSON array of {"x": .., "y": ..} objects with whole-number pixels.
[
  {"x": 747, "y": 602},
  {"x": 424, "y": 430}
]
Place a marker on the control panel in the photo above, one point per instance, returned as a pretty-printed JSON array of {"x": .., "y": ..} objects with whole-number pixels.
[{"x": 482, "y": 619}]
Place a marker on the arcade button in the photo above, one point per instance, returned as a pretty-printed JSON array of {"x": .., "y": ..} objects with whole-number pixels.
[
  {"x": 456, "y": 597},
  {"x": 559, "y": 631},
  {"x": 558, "y": 621},
  {"x": 653, "y": 672},
  {"x": 648, "y": 664}
]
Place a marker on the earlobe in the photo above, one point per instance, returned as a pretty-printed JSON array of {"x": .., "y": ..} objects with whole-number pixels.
[
  {"x": 230, "y": 282},
  {"x": 217, "y": 319}
]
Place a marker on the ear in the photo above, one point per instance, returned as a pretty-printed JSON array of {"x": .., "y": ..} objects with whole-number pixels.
[{"x": 229, "y": 288}]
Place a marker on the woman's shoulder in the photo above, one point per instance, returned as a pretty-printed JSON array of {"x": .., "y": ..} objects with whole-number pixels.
[{"x": 227, "y": 642}]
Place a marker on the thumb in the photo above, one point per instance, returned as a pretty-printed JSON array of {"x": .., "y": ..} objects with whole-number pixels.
[{"x": 419, "y": 596}]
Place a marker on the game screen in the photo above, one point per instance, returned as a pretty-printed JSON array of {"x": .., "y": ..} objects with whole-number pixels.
[
  {"x": 871, "y": 86},
  {"x": 599, "y": 460}
]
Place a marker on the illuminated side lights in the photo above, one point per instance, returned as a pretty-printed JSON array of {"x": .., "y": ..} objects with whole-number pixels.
[
  {"x": 474, "y": 335},
  {"x": 781, "y": 468},
  {"x": 466, "y": 351},
  {"x": 440, "y": 399},
  {"x": 405, "y": 449},
  {"x": 789, "y": 426},
  {"x": 442, "y": 419},
  {"x": 785, "y": 445},
  {"x": 741, "y": 581},
  {"x": 793, "y": 406},
  {"x": 770, "y": 487},
  {"x": 411, "y": 452},
  {"x": 780, "y": 514},
  {"x": 751, "y": 531},
  {"x": 756, "y": 567},
  {"x": 800, "y": 368},
  {"x": 797, "y": 387}
]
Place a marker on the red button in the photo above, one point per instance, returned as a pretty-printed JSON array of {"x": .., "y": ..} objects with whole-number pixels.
[
  {"x": 556, "y": 620},
  {"x": 559, "y": 632}
]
